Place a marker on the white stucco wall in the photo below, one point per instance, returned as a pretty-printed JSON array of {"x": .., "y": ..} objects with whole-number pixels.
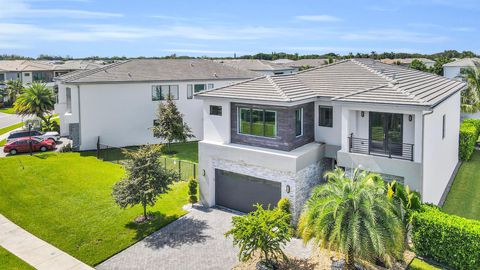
[
  {"x": 440, "y": 154},
  {"x": 123, "y": 113},
  {"x": 216, "y": 128},
  {"x": 329, "y": 135},
  {"x": 451, "y": 72}
]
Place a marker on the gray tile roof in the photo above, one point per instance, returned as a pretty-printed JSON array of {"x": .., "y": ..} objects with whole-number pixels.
[
  {"x": 44, "y": 65},
  {"x": 465, "y": 62},
  {"x": 253, "y": 64},
  {"x": 360, "y": 80},
  {"x": 307, "y": 62},
  {"x": 139, "y": 70}
]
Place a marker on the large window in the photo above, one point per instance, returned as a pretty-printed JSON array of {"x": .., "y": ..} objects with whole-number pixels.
[
  {"x": 162, "y": 92},
  {"x": 325, "y": 116},
  {"x": 299, "y": 122},
  {"x": 198, "y": 87},
  {"x": 257, "y": 122},
  {"x": 69, "y": 99}
]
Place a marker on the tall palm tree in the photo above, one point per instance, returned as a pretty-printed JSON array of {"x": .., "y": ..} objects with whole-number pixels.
[
  {"x": 353, "y": 216},
  {"x": 37, "y": 99},
  {"x": 470, "y": 97},
  {"x": 13, "y": 89}
]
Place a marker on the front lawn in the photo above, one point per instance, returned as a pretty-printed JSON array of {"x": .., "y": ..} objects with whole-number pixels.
[
  {"x": 418, "y": 264},
  {"x": 65, "y": 199},
  {"x": 463, "y": 198},
  {"x": 10, "y": 128},
  {"x": 12, "y": 262}
]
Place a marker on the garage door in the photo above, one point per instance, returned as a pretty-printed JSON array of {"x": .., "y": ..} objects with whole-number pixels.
[{"x": 241, "y": 192}]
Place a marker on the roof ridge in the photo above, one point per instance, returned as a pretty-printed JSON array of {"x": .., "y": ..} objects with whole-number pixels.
[
  {"x": 359, "y": 91},
  {"x": 228, "y": 85},
  {"x": 279, "y": 90},
  {"x": 319, "y": 67},
  {"x": 96, "y": 70}
]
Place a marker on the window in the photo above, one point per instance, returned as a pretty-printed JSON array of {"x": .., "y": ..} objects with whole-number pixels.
[
  {"x": 189, "y": 91},
  {"x": 69, "y": 99},
  {"x": 2, "y": 77},
  {"x": 257, "y": 122},
  {"x": 162, "y": 92},
  {"x": 199, "y": 87},
  {"x": 325, "y": 116},
  {"x": 299, "y": 122},
  {"x": 26, "y": 74},
  {"x": 210, "y": 86},
  {"x": 443, "y": 126},
  {"x": 215, "y": 110}
]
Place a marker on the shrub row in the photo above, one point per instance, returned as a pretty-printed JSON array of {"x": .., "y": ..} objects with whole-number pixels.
[
  {"x": 469, "y": 132},
  {"x": 449, "y": 239}
]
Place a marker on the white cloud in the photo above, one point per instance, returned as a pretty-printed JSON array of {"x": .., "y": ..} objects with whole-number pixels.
[
  {"x": 22, "y": 9},
  {"x": 318, "y": 18}
]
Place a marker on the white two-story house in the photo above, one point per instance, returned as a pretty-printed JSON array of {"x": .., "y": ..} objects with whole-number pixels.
[
  {"x": 275, "y": 136},
  {"x": 117, "y": 104}
]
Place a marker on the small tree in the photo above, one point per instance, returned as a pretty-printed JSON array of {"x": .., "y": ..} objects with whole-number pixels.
[
  {"x": 13, "y": 88},
  {"x": 146, "y": 179},
  {"x": 418, "y": 65},
  {"x": 192, "y": 191},
  {"x": 38, "y": 100},
  {"x": 267, "y": 231},
  {"x": 169, "y": 125}
]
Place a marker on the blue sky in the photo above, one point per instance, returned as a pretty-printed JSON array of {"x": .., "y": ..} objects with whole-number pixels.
[{"x": 82, "y": 28}]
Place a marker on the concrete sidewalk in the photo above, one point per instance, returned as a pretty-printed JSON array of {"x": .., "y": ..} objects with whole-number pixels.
[{"x": 35, "y": 251}]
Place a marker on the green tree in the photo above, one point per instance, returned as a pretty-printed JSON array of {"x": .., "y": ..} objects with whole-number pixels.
[
  {"x": 267, "y": 231},
  {"x": 406, "y": 200},
  {"x": 192, "y": 191},
  {"x": 470, "y": 97},
  {"x": 38, "y": 100},
  {"x": 146, "y": 179},
  {"x": 418, "y": 65},
  {"x": 13, "y": 88},
  {"x": 438, "y": 66},
  {"x": 353, "y": 216},
  {"x": 169, "y": 124}
]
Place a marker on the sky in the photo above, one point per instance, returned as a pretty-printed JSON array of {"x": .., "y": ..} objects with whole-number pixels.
[{"x": 81, "y": 28}]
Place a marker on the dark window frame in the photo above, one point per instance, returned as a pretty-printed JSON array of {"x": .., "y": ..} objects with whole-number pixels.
[
  {"x": 299, "y": 133},
  {"x": 158, "y": 95},
  {"x": 216, "y": 110},
  {"x": 250, "y": 133},
  {"x": 322, "y": 121}
]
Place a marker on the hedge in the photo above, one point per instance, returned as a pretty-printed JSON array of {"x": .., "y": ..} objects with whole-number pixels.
[
  {"x": 468, "y": 139},
  {"x": 448, "y": 239},
  {"x": 475, "y": 122}
]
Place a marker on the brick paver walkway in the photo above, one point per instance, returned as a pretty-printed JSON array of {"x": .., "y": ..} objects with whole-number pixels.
[{"x": 35, "y": 251}]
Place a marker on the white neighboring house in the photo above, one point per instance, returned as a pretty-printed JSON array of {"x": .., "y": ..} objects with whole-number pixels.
[
  {"x": 118, "y": 103},
  {"x": 453, "y": 69},
  {"x": 275, "y": 136},
  {"x": 261, "y": 67}
]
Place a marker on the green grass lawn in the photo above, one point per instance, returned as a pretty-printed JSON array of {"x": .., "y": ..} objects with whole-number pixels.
[
  {"x": 65, "y": 199},
  {"x": 463, "y": 198},
  {"x": 10, "y": 128},
  {"x": 418, "y": 264},
  {"x": 12, "y": 262},
  {"x": 3, "y": 142},
  {"x": 8, "y": 110}
]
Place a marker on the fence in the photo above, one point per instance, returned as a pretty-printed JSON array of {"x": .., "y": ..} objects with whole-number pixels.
[{"x": 185, "y": 169}]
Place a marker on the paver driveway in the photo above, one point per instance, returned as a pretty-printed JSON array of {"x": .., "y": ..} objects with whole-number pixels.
[{"x": 195, "y": 241}]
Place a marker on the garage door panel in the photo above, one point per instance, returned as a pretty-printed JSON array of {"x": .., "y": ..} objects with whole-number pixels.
[{"x": 241, "y": 192}]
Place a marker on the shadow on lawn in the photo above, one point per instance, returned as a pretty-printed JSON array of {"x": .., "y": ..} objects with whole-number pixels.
[
  {"x": 186, "y": 230},
  {"x": 145, "y": 229}
]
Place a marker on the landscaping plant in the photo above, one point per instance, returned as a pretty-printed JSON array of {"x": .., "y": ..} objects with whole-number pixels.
[
  {"x": 470, "y": 97},
  {"x": 13, "y": 88},
  {"x": 406, "y": 200},
  {"x": 266, "y": 231},
  {"x": 37, "y": 100},
  {"x": 353, "y": 216},
  {"x": 468, "y": 139},
  {"x": 192, "y": 191},
  {"x": 284, "y": 205},
  {"x": 146, "y": 179},
  {"x": 169, "y": 125}
]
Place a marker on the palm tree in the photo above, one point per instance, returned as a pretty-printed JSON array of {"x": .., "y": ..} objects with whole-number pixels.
[
  {"x": 470, "y": 97},
  {"x": 13, "y": 89},
  {"x": 353, "y": 216},
  {"x": 37, "y": 99}
]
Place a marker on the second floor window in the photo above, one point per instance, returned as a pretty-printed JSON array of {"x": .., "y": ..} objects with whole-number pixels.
[
  {"x": 199, "y": 87},
  {"x": 69, "y": 99},
  {"x": 161, "y": 92},
  {"x": 299, "y": 122},
  {"x": 325, "y": 116},
  {"x": 257, "y": 122}
]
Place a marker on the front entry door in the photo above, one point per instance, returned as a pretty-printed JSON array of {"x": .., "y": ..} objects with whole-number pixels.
[{"x": 386, "y": 134}]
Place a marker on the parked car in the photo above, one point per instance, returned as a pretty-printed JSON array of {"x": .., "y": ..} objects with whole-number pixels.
[
  {"x": 22, "y": 145},
  {"x": 50, "y": 135}
]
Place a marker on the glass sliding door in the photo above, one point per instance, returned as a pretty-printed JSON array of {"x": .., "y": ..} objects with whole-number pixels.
[{"x": 386, "y": 133}]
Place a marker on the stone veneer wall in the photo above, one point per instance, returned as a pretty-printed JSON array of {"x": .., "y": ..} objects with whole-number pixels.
[{"x": 285, "y": 139}]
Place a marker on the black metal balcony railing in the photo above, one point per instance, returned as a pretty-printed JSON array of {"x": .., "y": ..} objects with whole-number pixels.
[{"x": 384, "y": 149}]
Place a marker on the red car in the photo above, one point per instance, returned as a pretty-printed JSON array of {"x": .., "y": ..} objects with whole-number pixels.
[{"x": 21, "y": 145}]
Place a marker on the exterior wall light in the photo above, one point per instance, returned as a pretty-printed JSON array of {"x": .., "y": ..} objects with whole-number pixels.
[
  {"x": 362, "y": 114},
  {"x": 287, "y": 189},
  {"x": 203, "y": 172},
  {"x": 410, "y": 118}
]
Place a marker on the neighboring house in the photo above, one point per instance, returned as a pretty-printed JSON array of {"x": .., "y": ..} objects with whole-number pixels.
[
  {"x": 301, "y": 63},
  {"x": 282, "y": 61},
  {"x": 29, "y": 71},
  {"x": 118, "y": 102},
  {"x": 453, "y": 69},
  {"x": 261, "y": 67},
  {"x": 407, "y": 61},
  {"x": 275, "y": 136}
]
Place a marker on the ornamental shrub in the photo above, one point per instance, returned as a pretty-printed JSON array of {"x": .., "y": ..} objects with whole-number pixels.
[
  {"x": 192, "y": 191},
  {"x": 284, "y": 205},
  {"x": 468, "y": 138},
  {"x": 475, "y": 122},
  {"x": 449, "y": 239}
]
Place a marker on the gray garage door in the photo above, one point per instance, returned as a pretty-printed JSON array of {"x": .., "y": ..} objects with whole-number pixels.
[{"x": 241, "y": 192}]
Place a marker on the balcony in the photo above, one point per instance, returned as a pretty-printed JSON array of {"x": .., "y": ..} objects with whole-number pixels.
[{"x": 385, "y": 148}]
